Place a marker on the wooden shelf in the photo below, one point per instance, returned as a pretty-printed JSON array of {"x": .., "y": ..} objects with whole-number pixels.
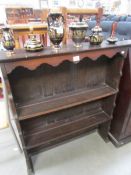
[
  {"x": 53, "y": 100},
  {"x": 65, "y": 128},
  {"x": 56, "y": 120},
  {"x": 65, "y": 101}
]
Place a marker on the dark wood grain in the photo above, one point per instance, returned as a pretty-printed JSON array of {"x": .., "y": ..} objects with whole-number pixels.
[
  {"x": 63, "y": 102},
  {"x": 50, "y": 89},
  {"x": 60, "y": 118},
  {"x": 65, "y": 130},
  {"x": 55, "y": 98},
  {"x": 121, "y": 123},
  {"x": 21, "y": 54}
]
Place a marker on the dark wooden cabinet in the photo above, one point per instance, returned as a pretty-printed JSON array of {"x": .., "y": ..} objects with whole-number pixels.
[
  {"x": 59, "y": 95},
  {"x": 121, "y": 124}
]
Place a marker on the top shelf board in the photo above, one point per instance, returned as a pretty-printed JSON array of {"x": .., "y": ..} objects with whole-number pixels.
[{"x": 21, "y": 54}]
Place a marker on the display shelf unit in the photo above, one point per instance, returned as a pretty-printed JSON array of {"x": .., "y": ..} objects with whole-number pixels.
[{"x": 55, "y": 97}]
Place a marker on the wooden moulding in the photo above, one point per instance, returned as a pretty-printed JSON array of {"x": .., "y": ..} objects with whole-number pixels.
[
  {"x": 82, "y": 11},
  {"x": 57, "y": 59},
  {"x": 66, "y": 53}
]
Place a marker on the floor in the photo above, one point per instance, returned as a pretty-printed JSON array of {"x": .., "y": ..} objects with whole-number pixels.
[
  {"x": 88, "y": 155},
  {"x": 3, "y": 118}
]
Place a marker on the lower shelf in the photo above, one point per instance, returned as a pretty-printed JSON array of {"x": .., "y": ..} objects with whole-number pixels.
[{"x": 66, "y": 128}]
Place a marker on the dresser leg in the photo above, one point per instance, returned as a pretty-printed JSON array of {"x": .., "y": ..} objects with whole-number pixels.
[
  {"x": 30, "y": 172},
  {"x": 104, "y": 130},
  {"x": 30, "y": 167}
]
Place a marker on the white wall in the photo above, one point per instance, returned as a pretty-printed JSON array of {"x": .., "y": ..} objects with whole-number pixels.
[
  {"x": 124, "y": 8},
  {"x": 76, "y": 4},
  {"x": 30, "y": 3},
  {"x": 2, "y": 12}
]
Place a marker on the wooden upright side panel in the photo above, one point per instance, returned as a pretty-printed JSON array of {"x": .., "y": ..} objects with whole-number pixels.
[{"x": 120, "y": 127}]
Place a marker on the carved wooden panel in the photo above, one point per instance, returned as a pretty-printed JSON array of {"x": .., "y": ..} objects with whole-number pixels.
[{"x": 47, "y": 81}]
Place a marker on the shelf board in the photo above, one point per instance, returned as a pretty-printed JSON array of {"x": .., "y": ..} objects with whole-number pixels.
[
  {"x": 57, "y": 123},
  {"x": 64, "y": 101},
  {"x": 66, "y": 129}
]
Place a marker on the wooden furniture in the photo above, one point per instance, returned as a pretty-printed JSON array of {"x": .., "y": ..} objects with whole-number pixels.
[
  {"x": 18, "y": 15},
  {"x": 41, "y": 14},
  {"x": 120, "y": 132},
  {"x": 57, "y": 96},
  {"x": 21, "y": 32},
  {"x": 80, "y": 13}
]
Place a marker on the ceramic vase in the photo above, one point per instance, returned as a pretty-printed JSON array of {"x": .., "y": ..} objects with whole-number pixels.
[
  {"x": 8, "y": 39},
  {"x": 79, "y": 31},
  {"x": 56, "y": 28}
]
